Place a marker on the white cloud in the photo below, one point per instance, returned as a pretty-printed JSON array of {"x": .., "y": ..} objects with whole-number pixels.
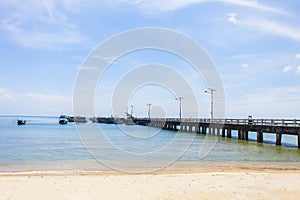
[
  {"x": 245, "y": 65},
  {"x": 106, "y": 59},
  {"x": 297, "y": 55},
  {"x": 287, "y": 68},
  {"x": 157, "y": 5},
  {"x": 298, "y": 69},
  {"x": 171, "y": 5},
  {"x": 39, "y": 24},
  {"x": 290, "y": 68},
  {"x": 271, "y": 27},
  {"x": 92, "y": 68},
  {"x": 262, "y": 103},
  {"x": 43, "y": 39},
  {"x": 254, "y": 5},
  {"x": 41, "y": 96},
  {"x": 232, "y": 18},
  {"x": 5, "y": 93},
  {"x": 35, "y": 103}
]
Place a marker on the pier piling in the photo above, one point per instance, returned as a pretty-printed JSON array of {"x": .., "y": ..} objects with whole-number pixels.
[
  {"x": 278, "y": 138},
  {"x": 223, "y": 132},
  {"x": 299, "y": 140},
  {"x": 260, "y": 136},
  {"x": 228, "y": 133}
]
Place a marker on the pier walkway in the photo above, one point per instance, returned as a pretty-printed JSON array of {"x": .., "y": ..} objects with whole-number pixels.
[{"x": 224, "y": 127}]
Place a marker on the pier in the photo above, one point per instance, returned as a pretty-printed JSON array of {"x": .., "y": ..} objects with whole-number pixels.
[{"x": 224, "y": 127}]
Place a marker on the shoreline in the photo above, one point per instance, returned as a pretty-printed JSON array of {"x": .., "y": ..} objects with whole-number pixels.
[{"x": 178, "y": 168}]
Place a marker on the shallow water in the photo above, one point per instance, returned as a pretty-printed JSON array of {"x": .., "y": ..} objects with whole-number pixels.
[{"x": 43, "y": 144}]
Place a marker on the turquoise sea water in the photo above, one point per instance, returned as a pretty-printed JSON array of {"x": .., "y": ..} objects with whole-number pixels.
[{"x": 44, "y": 144}]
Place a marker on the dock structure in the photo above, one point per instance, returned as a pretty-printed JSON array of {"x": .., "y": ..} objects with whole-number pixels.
[{"x": 224, "y": 127}]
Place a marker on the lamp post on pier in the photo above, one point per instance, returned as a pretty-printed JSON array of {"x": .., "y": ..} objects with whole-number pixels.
[
  {"x": 149, "y": 107},
  {"x": 211, "y": 92},
  {"x": 131, "y": 113},
  {"x": 180, "y": 100}
]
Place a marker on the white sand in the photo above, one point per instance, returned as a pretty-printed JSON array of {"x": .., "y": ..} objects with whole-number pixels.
[{"x": 203, "y": 185}]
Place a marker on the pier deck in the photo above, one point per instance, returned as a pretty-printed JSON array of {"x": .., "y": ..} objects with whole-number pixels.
[{"x": 224, "y": 127}]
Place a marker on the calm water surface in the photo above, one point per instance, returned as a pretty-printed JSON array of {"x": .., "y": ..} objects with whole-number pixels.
[{"x": 44, "y": 144}]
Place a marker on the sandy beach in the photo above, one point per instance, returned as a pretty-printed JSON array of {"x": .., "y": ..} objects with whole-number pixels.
[{"x": 236, "y": 183}]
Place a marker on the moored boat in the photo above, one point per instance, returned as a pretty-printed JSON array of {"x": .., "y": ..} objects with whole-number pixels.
[
  {"x": 21, "y": 122},
  {"x": 71, "y": 119},
  {"x": 63, "y": 119},
  {"x": 79, "y": 119}
]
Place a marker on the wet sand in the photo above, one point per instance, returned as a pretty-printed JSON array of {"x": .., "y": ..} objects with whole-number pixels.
[{"x": 217, "y": 181}]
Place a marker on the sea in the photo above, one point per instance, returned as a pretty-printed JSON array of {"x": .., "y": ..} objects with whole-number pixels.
[{"x": 45, "y": 145}]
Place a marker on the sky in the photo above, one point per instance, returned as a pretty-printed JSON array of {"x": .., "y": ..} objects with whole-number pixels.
[{"x": 254, "y": 44}]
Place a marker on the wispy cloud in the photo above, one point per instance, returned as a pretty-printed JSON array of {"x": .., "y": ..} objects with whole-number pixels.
[
  {"x": 39, "y": 24},
  {"x": 42, "y": 96},
  {"x": 255, "y": 5},
  {"x": 290, "y": 68},
  {"x": 267, "y": 26},
  {"x": 287, "y": 68},
  {"x": 5, "y": 93},
  {"x": 297, "y": 55},
  {"x": 262, "y": 103},
  {"x": 106, "y": 59},
  {"x": 36, "y": 103},
  {"x": 298, "y": 69},
  {"x": 92, "y": 68},
  {"x": 232, "y": 18},
  {"x": 171, "y": 5},
  {"x": 245, "y": 65}
]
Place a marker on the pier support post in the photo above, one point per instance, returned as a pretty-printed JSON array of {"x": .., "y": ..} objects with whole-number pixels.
[
  {"x": 243, "y": 135},
  {"x": 298, "y": 140},
  {"x": 239, "y": 134},
  {"x": 204, "y": 129},
  {"x": 278, "y": 138},
  {"x": 228, "y": 133},
  {"x": 246, "y": 135},
  {"x": 198, "y": 129},
  {"x": 260, "y": 136},
  {"x": 223, "y": 132},
  {"x": 165, "y": 126}
]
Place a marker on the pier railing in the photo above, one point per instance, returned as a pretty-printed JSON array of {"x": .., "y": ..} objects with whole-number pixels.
[
  {"x": 265, "y": 122},
  {"x": 224, "y": 127}
]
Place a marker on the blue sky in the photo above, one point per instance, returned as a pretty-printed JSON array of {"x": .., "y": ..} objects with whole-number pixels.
[{"x": 255, "y": 46}]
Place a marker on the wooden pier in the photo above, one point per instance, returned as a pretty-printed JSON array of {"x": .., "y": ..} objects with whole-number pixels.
[{"x": 224, "y": 127}]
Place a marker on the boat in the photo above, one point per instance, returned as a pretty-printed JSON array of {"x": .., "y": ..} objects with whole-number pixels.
[
  {"x": 106, "y": 120},
  {"x": 130, "y": 121},
  {"x": 79, "y": 119},
  {"x": 21, "y": 122},
  {"x": 63, "y": 119},
  {"x": 120, "y": 120},
  {"x": 94, "y": 119},
  {"x": 76, "y": 119},
  {"x": 71, "y": 119},
  {"x": 110, "y": 120}
]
